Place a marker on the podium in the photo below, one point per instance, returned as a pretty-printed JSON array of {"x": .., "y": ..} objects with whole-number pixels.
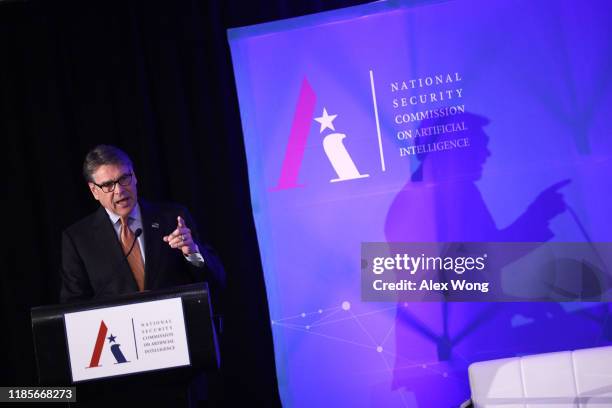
[{"x": 128, "y": 346}]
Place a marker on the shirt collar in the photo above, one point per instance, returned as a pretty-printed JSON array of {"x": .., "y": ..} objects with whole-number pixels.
[{"x": 134, "y": 215}]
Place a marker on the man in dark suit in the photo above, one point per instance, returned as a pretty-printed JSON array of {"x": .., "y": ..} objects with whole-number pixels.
[{"x": 130, "y": 245}]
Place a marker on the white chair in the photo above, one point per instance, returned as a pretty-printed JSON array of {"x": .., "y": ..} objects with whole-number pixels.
[{"x": 567, "y": 379}]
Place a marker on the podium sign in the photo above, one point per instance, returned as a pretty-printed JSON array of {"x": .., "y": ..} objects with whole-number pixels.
[
  {"x": 126, "y": 339},
  {"x": 136, "y": 336}
]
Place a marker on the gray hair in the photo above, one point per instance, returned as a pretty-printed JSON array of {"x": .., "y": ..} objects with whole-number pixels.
[{"x": 101, "y": 155}]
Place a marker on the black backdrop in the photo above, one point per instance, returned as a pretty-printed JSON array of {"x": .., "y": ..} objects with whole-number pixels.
[{"x": 155, "y": 78}]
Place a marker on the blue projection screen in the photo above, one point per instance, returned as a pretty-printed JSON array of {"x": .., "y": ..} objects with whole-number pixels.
[{"x": 478, "y": 121}]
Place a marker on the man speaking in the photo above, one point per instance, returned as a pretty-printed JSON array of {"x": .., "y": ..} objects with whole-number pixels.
[{"x": 130, "y": 245}]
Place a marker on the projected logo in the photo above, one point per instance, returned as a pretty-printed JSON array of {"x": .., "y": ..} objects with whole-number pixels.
[
  {"x": 115, "y": 348},
  {"x": 333, "y": 143}
]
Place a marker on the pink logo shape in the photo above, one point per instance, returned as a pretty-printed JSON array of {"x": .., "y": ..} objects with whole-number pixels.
[{"x": 297, "y": 138}]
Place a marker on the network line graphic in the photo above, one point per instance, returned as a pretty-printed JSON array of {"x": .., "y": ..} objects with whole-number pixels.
[
  {"x": 374, "y": 331},
  {"x": 311, "y": 322}
]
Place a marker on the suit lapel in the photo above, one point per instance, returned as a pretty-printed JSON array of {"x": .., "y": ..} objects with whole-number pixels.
[{"x": 151, "y": 225}]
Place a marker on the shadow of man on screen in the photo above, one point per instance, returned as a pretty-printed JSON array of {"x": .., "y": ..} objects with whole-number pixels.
[{"x": 435, "y": 342}]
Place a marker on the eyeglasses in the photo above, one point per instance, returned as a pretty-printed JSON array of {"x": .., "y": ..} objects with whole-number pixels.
[{"x": 109, "y": 186}]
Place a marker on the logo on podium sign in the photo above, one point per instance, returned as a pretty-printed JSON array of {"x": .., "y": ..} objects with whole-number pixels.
[{"x": 100, "y": 342}]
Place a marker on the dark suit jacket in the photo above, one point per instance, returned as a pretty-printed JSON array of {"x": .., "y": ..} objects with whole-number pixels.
[{"x": 93, "y": 264}]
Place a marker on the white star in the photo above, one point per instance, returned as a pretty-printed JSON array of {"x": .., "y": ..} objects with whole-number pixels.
[{"x": 326, "y": 121}]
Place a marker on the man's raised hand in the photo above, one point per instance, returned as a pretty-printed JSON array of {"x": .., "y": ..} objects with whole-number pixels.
[{"x": 181, "y": 238}]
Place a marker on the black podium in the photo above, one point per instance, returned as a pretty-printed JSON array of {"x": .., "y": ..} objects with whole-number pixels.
[{"x": 52, "y": 344}]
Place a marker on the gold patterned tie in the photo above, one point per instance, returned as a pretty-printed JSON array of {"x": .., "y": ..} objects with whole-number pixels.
[{"x": 135, "y": 257}]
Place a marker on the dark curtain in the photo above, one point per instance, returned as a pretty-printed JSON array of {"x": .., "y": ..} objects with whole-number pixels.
[{"x": 155, "y": 78}]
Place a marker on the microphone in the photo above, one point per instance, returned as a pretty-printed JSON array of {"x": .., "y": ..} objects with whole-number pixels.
[{"x": 137, "y": 233}]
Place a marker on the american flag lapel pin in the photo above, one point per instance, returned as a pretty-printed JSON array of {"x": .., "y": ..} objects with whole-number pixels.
[{"x": 155, "y": 225}]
